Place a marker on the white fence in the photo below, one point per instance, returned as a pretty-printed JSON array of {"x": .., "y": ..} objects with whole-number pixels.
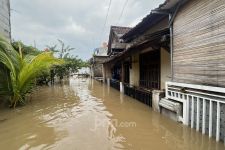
[{"x": 195, "y": 100}]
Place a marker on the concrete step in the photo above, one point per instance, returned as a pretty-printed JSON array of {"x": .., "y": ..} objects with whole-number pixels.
[{"x": 170, "y": 105}]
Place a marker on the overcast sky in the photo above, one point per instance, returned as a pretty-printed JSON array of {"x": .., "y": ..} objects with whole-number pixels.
[{"x": 79, "y": 23}]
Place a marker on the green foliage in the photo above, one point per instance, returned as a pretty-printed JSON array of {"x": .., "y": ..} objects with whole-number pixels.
[
  {"x": 26, "y": 50},
  {"x": 64, "y": 50},
  {"x": 71, "y": 65},
  {"x": 21, "y": 71}
]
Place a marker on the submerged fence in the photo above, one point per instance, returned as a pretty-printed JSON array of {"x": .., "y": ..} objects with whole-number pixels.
[
  {"x": 203, "y": 107},
  {"x": 141, "y": 95},
  {"x": 115, "y": 84}
]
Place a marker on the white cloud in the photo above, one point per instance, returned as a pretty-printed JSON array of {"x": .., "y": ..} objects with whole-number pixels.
[{"x": 78, "y": 23}]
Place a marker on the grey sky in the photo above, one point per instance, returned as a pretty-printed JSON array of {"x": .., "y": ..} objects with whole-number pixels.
[{"x": 79, "y": 23}]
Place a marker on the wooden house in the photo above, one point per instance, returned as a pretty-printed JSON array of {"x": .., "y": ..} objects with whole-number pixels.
[
  {"x": 178, "y": 47},
  {"x": 198, "y": 63}
]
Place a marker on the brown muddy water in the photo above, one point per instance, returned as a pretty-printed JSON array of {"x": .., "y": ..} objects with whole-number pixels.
[{"x": 83, "y": 114}]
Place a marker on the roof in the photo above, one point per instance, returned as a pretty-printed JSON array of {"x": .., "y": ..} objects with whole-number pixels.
[
  {"x": 151, "y": 19},
  {"x": 120, "y": 31},
  {"x": 154, "y": 17},
  {"x": 151, "y": 38},
  {"x": 144, "y": 25},
  {"x": 168, "y": 4}
]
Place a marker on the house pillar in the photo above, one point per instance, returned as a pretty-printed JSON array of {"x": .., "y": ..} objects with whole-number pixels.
[
  {"x": 103, "y": 73},
  {"x": 122, "y": 72},
  {"x": 135, "y": 70},
  {"x": 122, "y": 78},
  {"x": 108, "y": 81},
  {"x": 106, "y": 72},
  {"x": 165, "y": 71},
  {"x": 156, "y": 97},
  {"x": 121, "y": 87}
]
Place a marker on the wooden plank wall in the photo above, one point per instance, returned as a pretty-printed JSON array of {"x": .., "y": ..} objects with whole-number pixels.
[{"x": 199, "y": 43}]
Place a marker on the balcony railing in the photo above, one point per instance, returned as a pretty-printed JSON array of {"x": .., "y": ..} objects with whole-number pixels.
[{"x": 203, "y": 107}]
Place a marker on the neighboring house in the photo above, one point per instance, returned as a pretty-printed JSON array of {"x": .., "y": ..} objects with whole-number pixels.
[
  {"x": 115, "y": 44},
  {"x": 99, "y": 56},
  {"x": 144, "y": 63},
  {"x": 5, "y": 28},
  {"x": 115, "y": 47}
]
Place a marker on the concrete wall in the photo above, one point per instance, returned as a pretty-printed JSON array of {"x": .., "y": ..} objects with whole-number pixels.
[
  {"x": 5, "y": 28},
  {"x": 97, "y": 66},
  {"x": 97, "y": 70},
  {"x": 135, "y": 71},
  {"x": 107, "y": 71},
  {"x": 165, "y": 67}
]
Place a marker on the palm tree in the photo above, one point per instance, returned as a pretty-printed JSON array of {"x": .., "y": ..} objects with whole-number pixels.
[
  {"x": 21, "y": 71},
  {"x": 64, "y": 52}
]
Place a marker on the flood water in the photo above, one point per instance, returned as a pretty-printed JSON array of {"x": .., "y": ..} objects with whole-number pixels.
[{"x": 83, "y": 114}]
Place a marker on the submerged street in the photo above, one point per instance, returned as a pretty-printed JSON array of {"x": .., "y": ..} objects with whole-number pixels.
[{"x": 85, "y": 114}]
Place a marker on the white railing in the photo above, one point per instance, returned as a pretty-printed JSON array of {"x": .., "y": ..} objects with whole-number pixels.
[{"x": 195, "y": 94}]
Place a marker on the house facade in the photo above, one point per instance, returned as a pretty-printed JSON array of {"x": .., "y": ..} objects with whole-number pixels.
[
  {"x": 174, "y": 61},
  {"x": 197, "y": 44},
  {"x": 144, "y": 64},
  {"x": 5, "y": 27}
]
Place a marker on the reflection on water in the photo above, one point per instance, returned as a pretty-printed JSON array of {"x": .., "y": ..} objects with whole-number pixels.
[{"x": 84, "y": 114}]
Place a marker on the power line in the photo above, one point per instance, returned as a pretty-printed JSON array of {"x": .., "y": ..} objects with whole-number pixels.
[
  {"x": 106, "y": 18},
  {"x": 121, "y": 14},
  {"x": 110, "y": 1}
]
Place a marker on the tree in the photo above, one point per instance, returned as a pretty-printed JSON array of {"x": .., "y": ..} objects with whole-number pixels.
[
  {"x": 71, "y": 65},
  {"x": 21, "y": 70},
  {"x": 64, "y": 50}
]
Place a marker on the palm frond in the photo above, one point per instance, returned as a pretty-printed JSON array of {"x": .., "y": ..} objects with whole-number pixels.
[{"x": 22, "y": 71}]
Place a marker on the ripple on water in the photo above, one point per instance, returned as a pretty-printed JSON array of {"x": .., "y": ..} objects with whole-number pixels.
[{"x": 88, "y": 115}]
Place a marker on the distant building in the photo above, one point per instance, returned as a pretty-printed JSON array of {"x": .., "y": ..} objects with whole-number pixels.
[
  {"x": 99, "y": 56},
  {"x": 5, "y": 28}
]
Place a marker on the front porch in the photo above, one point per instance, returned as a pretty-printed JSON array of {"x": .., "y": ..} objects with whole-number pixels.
[{"x": 139, "y": 71}]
